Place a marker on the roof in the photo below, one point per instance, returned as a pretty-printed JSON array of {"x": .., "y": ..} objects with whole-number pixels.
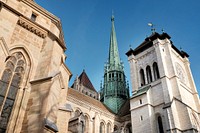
[
  {"x": 113, "y": 49},
  {"x": 141, "y": 91},
  {"x": 125, "y": 108},
  {"x": 86, "y": 99},
  {"x": 85, "y": 81},
  {"x": 148, "y": 42}
]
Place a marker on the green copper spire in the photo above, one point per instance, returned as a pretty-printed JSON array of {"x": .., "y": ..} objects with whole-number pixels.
[
  {"x": 114, "y": 91},
  {"x": 113, "y": 59}
]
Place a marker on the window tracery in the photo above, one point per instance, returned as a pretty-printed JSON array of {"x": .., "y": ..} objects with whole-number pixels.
[
  {"x": 180, "y": 73},
  {"x": 9, "y": 85}
]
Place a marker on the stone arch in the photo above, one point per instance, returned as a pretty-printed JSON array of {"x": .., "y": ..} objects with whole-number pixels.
[
  {"x": 115, "y": 128},
  {"x": 156, "y": 71},
  {"x": 87, "y": 123},
  {"x": 108, "y": 127},
  {"x": 148, "y": 73},
  {"x": 159, "y": 123},
  {"x": 142, "y": 77},
  {"x": 14, "y": 77},
  {"x": 28, "y": 59},
  {"x": 77, "y": 112},
  {"x": 102, "y": 127}
]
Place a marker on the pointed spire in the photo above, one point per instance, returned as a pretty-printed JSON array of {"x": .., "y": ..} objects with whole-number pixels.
[{"x": 114, "y": 59}]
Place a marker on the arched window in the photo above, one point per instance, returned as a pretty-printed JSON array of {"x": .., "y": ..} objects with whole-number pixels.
[
  {"x": 115, "y": 128},
  {"x": 142, "y": 79},
  {"x": 9, "y": 85},
  {"x": 102, "y": 128},
  {"x": 156, "y": 71},
  {"x": 160, "y": 125},
  {"x": 149, "y": 76},
  {"x": 108, "y": 128},
  {"x": 82, "y": 127},
  {"x": 86, "y": 124},
  {"x": 77, "y": 113}
]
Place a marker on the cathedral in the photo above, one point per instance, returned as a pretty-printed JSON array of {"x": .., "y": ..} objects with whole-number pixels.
[{"x": 35, "y": 96}]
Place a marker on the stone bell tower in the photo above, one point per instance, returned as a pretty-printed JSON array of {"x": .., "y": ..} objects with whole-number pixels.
[{"x": 164, "y": 97}]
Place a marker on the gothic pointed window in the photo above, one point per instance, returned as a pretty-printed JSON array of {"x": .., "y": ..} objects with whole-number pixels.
[
  {"x": 142, "y": 79},
  {"x": 86, "y": 124},
  {"x": 102, "y": 128},
  {"x": 9, "y": 85},
  {"x": 115, "y": 128},
  {"x": 108, "y": 128},
  {"x": 149, "y": 76},
  {"x": 156, "y": 71},
  {"x": 160, "y": 125}
]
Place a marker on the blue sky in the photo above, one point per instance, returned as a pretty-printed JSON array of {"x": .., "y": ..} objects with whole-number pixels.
[{"x": 86, "y": 25}]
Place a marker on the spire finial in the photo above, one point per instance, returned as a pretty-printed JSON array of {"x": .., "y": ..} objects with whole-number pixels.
[
  {"x": 163, "y": 31},
  {"x": 112, "y": 18},
  {"x": 152, "y": 27}
]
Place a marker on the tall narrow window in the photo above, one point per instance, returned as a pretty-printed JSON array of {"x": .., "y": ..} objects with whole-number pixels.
[
  {"x": 108, "y": 128},
  {"x": 142, "y": 79},
  {"x": 149, "y": 76},
  {"x": 9, "y": 85},
  {"x": 82, "y": 127},
  {"x": 160, "y": 125},
  {"x": 86, "y": 124},
  {"x": 33, "y": 16},
  {"x": 102, "y": 128},
  {"x": 156, "y": 71}
]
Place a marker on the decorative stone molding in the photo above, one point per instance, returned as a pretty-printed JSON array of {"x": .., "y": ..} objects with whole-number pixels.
[{"x": 32, "y": 27}]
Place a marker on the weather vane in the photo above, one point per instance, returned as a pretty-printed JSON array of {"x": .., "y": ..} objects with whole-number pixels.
[{"x": 152, "y": 27}]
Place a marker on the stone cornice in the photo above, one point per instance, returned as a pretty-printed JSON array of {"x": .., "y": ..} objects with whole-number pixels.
[
  {"x": 54, "y": 20},
  {"x": 30, "y": 26},
  {"x": 49, "y": 15}
]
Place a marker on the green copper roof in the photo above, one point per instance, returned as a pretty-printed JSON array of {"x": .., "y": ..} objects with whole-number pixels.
[
  {"x": 113, "y": 50},
  {"x": 141, "y": 91},
  {"x": 115, "y": 90}
]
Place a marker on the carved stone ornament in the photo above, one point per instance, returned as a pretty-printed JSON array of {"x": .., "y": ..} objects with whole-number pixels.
[
  {"x": 180, "y": 72},
  {"x": 32, "y": 27}
]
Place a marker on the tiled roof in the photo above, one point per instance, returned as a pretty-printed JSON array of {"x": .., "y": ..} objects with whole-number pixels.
[
  {"x": 125, "y": 108},
  {"x": 86, "y": 99},
  {"x": 141, "y": 91},
  {"x": 85, "y": 81}
]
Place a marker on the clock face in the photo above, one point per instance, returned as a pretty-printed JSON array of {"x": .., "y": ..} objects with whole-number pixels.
[{"x": 180, "y": 72}]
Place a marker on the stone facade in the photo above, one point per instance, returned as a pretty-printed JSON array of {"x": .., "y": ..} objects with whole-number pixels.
[
  {"x": 90, "y": 115},
  {"x": 34, "y": 92},
  {"x": 164, "y": 98},
  {"x": 33, "y": 37}
]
